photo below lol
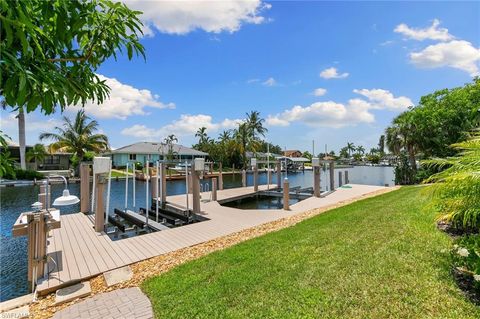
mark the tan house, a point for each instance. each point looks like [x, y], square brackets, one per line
[292, 153]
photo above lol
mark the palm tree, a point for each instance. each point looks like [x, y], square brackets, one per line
[381, 144]
[402, 136]
[224, 136]
[36, 153]
[77, 137]
[202, 135]
[255, 123]
[21, 133]
[361, 149]
[169, 141]
[244, 141]
[350, 148]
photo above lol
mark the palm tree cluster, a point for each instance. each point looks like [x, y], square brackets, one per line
[231, 146]
[350, 150]
[77, 137]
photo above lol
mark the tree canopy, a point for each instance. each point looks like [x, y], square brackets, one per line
[50, 50]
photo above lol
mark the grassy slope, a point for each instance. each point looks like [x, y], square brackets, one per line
[377, 258]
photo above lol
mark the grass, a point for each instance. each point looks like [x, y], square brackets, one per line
[378, 258]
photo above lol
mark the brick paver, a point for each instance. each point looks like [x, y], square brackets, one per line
[121, 303]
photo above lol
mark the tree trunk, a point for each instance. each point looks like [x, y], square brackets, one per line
[411, 158]
[21, 137]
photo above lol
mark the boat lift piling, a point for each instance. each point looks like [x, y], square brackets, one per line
[279, 174]
[255, 174]
[220, 176]
[286, 194]
[316, 176]
[214, 189]
[84, 187]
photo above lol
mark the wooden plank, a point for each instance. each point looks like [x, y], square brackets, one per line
[92, 251]
[70, 268]
[105, 261]
[85, 269]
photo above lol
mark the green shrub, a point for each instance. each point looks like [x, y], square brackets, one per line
[456, 189]
[465, 255]
[25, 175]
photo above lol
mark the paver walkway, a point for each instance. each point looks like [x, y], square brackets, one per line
[122, 303]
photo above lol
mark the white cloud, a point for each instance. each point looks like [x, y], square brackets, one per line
[319, 92]
[457, 54]
[334, 114]
[388, 42]
[250, 81]
[181, 17]
[433, 32]
[125, 100]
[270, 82]
[383, 99]
[186, 125]
[332, 73]
[34, 125]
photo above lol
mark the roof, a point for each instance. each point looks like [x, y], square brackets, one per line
[261, 155]
[291, 152]
[156, 148]
[294, 159]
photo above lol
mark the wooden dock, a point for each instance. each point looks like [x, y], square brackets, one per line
[80, 253]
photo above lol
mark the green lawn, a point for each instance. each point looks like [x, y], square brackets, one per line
[378, 258]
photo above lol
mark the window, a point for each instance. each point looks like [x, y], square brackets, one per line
[132, 157]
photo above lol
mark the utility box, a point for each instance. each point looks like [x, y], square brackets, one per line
[101, 165]
[315, 162]
[199, 164]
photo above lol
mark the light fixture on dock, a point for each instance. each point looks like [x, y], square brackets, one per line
[66, 199]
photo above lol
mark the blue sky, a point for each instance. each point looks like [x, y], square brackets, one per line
[210, 63]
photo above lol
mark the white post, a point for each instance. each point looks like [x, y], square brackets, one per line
[93, 189]
[108, 194]
[134, 182]
[268, 165]
[186, 181]
[156, 193]
[126, 188]
[146, 193]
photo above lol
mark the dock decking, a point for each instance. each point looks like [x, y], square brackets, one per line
[80, 253]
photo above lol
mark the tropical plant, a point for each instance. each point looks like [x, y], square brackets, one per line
[381, 144]
[51, 51]
[245, 141]
[360, 149]
[350, 148]
[202, 135]
[402, 135]
[344, 152]
[170, 141]
[307, 154]
[37, 153]
[455, 190]
[7, 163]
[77, 137]
[255, 124]
[465, 255]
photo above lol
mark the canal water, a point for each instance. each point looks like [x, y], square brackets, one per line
[15, 200]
